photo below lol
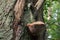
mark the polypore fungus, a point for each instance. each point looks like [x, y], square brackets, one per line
[36, 27]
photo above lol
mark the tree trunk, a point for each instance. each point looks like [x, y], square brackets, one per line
[6, 18]
[16, 14]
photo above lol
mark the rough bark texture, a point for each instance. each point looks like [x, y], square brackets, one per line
[18, 11]
[11, 12]
[6, 18]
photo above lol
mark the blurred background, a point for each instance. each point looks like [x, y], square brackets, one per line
[52, 19]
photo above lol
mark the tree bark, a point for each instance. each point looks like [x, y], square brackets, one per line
[6, 18]
[16, 14]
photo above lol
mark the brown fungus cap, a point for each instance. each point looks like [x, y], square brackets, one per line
[36, 23]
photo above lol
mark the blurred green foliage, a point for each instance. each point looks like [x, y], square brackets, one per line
[53, 25]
